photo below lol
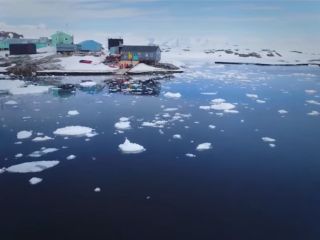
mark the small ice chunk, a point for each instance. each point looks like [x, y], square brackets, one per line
[260, 101]
[268, 139]
[35, 180]
[313, 102]
[42, 139]
[172, 95]
[71, 157]
[177, 136]
[73, 113]
[218, 101]
[18, 155]
[250, 95]
[310, 91]
[314, 113]
[42, 152]
[24, 134]
[122, 125]
[29, 167]
[170, 109]
[205, 108]
[204, 146]
[231, 111]
[272, 145]
[212, 126]
[11, 102]
[190, 155]
[282, 111]
[97, 189]
[74, 131]
[124, 119]
[223, 106]
[129, 147]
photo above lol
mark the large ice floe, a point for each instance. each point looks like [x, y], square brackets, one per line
[75, 131]
[204, 146]
[18, 87]
[11, 102]
[172, 95]
[32, 167]
[24, 134]
[129, 147]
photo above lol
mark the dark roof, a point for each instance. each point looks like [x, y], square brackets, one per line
[128, 48]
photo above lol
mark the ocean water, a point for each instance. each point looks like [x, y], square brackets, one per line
[241, 188]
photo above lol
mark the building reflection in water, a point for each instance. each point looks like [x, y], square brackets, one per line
[149, 87]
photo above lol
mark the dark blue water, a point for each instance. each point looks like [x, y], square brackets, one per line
[240, 189]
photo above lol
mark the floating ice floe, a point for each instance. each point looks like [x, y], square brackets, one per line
[272, 145]
[212, 126]
[75, 131]
[129, 147]
[122, 125]
[35, 180]
[208, 93]
[170, 109]
[32, 167]
[43, 151]
[313, 102]
[97, 189]
[310, 91]
[223, 106]
[314, 113]
[205, 108]
[42, 139]
[177, 136]
[260, 101]
[268, 139]
[282, 111]
[73, 113]
[250, 95]
[11, 102]
[155, 124]
[218, 100]
[18, 155]
[71, 157]
[190, 155]
[204, 146]
[24, 134]
[172, 95]
[124, 119]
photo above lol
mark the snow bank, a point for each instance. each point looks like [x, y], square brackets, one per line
[74, 131]
[32, 167]
[88, 84]
[128, 147]
[35, 180]
[24, 134]
[204, 146]
[172, 95]
[144, 68]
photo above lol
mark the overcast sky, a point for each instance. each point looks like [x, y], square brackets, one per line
[283, 22]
